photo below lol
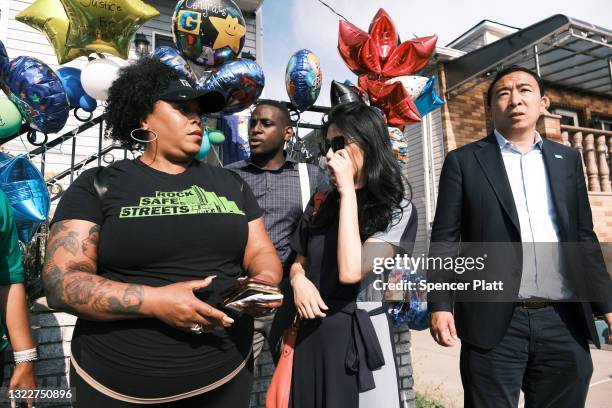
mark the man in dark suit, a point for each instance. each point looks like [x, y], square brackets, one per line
[516, 188]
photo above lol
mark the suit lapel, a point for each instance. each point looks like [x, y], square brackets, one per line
[556, 169]
[490, 160]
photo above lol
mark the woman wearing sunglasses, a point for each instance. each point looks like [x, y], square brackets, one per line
[344, 354]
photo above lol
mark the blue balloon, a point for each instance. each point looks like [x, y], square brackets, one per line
[428, 100]
[36, 90]
[303, 79]
[4, 61]
[27, 192]
[204, 147]
[241, 82]
[175, 60]
[87, 103]
[78, 98]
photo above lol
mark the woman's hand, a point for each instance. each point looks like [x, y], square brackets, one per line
[342, 171]
[24, 378]
[177, 306]
[308, 301]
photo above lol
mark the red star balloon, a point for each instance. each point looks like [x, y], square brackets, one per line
[383, 34]
[350, 40]
[410, 56]
[376, 57]
[393, 99]
[378, 53]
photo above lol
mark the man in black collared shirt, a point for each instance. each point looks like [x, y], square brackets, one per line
[282, 194]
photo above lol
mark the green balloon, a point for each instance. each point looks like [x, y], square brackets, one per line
[10, 118]
[216, 137]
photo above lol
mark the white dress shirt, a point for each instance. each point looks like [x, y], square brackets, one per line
[542, 275]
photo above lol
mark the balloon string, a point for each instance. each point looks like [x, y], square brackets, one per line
[333, 11]
[216, 155]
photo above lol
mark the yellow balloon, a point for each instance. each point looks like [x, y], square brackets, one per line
[106, 25]
[49, 17]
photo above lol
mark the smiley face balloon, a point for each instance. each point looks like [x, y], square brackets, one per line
[208, 32]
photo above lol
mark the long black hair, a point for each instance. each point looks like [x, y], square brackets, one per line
[384, 190]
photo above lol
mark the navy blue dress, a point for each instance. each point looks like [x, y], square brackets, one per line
[347, 359]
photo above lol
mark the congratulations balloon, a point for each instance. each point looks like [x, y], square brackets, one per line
[98, 75]
[49, 17]
[303, 79]
[171, 57]
[240, 81]
[27, 193]
[106, 25]
[37, 92]
[208, 32]
[71, 79]
[10, 118]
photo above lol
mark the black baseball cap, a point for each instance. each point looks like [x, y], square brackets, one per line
[181, 90]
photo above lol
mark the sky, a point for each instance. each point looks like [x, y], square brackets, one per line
[290, 25]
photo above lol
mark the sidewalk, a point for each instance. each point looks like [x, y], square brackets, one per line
[436, 373]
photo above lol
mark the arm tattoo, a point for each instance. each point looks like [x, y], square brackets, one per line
[70, 276]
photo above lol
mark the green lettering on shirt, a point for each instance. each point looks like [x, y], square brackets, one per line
[194, 200]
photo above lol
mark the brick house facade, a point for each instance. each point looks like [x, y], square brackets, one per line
[465, 118]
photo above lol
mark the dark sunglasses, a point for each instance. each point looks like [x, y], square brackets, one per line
[337, 143]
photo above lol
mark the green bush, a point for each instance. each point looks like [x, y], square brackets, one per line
[423, 402]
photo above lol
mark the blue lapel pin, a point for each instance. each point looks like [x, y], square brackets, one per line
[558, 156]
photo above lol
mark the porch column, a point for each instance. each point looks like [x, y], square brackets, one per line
[549, 126]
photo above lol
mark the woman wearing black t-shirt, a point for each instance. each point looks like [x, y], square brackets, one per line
[344, 355]
[141, 251]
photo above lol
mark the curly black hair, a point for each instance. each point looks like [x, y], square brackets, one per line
[132, 95]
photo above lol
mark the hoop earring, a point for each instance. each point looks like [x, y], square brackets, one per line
[141, 140]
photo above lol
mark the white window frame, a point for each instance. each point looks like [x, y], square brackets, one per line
[567, 113]
[154, 34]
[603, 122]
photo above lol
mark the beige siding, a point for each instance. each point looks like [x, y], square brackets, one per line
[415, 172]
[475, 44]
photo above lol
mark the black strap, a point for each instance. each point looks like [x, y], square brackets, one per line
[101, 182]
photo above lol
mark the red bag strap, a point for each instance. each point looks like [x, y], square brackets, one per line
[319, 199]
